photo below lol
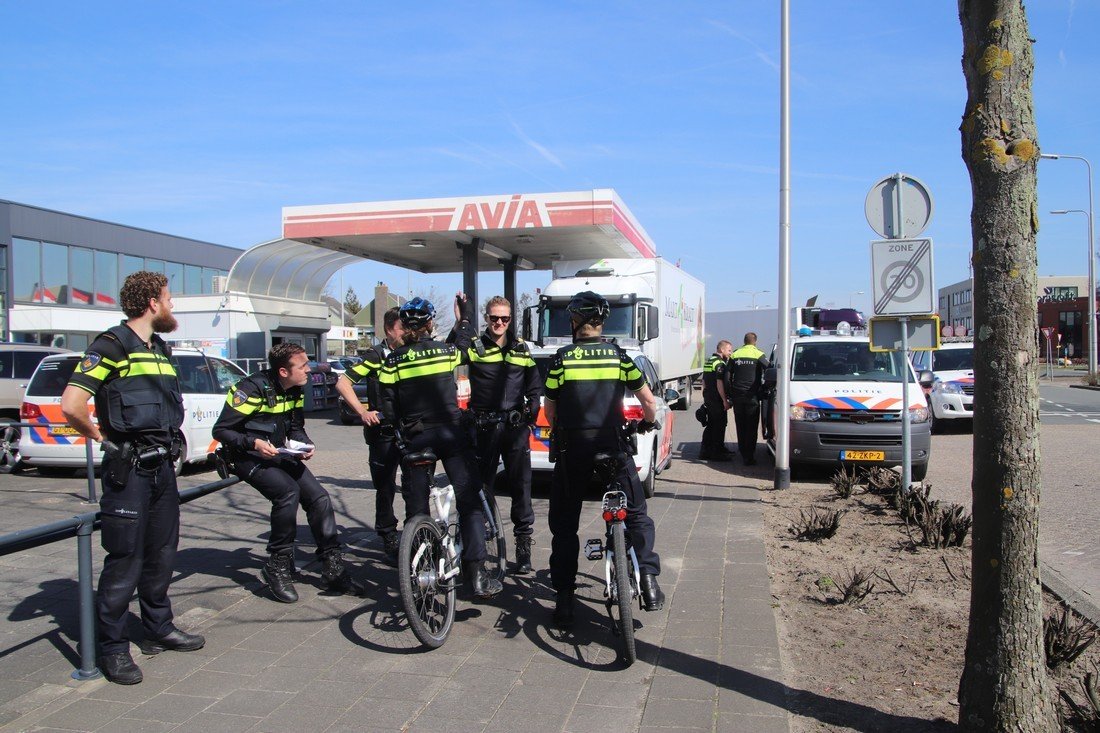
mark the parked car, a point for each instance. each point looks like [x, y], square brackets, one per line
[348, 416]
[952, 394]
[204, 381]
[654, 452]
[17, 364]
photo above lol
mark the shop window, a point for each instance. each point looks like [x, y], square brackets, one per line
[192, 280]
[130, 265]
[55, 273]
[106, 279]
[154, 265]
[27, 270]
[81, 276]
[174, 272]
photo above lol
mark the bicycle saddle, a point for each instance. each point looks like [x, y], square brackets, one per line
[424, 457]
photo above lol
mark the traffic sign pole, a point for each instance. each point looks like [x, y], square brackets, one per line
[906, 428]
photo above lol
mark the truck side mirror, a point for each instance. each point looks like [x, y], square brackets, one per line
[672, 396]
[652, 322]
[771, 376]
[527, 321]
[926, 379]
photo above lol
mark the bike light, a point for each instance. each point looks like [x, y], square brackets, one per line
[620, 514]
[29, 411]
[633, 412]
[607, 516]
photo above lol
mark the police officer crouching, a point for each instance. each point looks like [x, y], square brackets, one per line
[419, 396]
[262, 428]
[139, 405]
[584, 393]
[504, 403]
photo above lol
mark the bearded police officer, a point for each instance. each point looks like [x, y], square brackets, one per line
[584, 393]
[716, 403]
[745, 374]
[262, 426]
[139, 405]
[379, 435]
[504, 403]
[419, 396]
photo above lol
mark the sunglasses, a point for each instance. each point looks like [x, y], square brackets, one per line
[502, 319]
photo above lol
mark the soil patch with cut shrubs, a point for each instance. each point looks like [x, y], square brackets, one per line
[872, 623]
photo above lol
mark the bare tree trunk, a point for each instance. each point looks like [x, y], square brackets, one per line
[1004, 684]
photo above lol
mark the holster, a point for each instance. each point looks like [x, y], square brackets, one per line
[120, 461]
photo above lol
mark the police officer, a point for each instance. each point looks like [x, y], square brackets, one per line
[262, 413]
[745, 373]
[584, 405]
[504, 403]
[139, 405]
[381, 441]
[716, 403]
[419, 397]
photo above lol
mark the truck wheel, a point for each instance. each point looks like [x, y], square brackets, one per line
[684, 403]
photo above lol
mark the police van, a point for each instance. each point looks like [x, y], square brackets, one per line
[654, 452]
[846, 403]
[204, 381]
[952, 393]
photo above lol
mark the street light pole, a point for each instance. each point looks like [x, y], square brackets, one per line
[1092, 267]
[782, 478]
[754, 293]
[851, 297]
[1088, 334]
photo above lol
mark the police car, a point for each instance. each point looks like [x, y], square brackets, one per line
[654, 453]
[204, 381]
[952, 393]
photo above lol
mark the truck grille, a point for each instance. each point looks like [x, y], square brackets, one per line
[851, 440]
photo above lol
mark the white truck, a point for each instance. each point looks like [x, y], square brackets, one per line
[656, 308]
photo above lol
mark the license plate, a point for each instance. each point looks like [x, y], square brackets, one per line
[543, 433]
[862, 455]
[62, 430]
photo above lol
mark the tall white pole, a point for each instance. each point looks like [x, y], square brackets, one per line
[783, 373]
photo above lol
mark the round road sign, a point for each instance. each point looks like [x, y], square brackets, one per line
[882, 204]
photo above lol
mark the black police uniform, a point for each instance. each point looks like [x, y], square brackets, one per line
[504, 402]
[385, 456]
[258, 407]
[714, 434]
[419, 396]
[139, 406]
[745, 377]
[587, 381]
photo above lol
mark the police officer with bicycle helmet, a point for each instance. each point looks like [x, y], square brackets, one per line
[419, 397]
[584, 393]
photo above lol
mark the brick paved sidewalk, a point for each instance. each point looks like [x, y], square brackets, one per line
[708, 661]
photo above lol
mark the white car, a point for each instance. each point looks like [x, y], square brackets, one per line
[952, 394]
[204, 380]
[654, 448]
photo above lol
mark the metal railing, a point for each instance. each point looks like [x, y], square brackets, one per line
[82, 526]
[89, 450]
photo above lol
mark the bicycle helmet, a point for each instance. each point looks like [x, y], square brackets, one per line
[416, 313]
[589, 307]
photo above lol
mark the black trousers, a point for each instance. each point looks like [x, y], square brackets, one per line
[140, 532]
[451, 446]
[512, 444]
[384, 460]
[287, 483]
[746, 418]
[714, 434]
[573, 474]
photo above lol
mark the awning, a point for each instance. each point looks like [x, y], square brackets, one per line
[285, 268]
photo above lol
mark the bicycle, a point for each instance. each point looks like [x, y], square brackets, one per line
[622, 577]
[429, 558]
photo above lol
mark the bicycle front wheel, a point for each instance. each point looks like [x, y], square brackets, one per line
[624, 603]
[496, 544]
[428, 599]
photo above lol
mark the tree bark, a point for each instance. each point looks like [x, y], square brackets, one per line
[1004, 685]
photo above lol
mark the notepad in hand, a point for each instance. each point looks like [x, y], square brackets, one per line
[296, 448]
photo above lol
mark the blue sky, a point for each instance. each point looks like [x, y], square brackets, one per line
[204, 119]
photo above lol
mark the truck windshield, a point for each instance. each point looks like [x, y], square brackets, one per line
[835, 361]
[555, 322]
[949, 360]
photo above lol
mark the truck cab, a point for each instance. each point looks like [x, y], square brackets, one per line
[846, 404]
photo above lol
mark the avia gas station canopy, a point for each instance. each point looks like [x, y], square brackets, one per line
[467, 235]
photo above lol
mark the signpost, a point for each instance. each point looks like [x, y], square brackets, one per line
[899, 208]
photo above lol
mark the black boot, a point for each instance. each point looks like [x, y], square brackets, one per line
[653, 598]
[120, 668]
[482, 584]
[523, 553]
[176, 640]
[391, 543]
[335, 575]
[278, 574]
[563, 609]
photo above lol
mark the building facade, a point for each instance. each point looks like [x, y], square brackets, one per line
[956, 301]
[60, 273]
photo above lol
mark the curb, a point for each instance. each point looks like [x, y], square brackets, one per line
[1084, 386]
[1078, 600]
